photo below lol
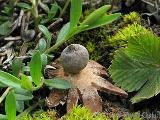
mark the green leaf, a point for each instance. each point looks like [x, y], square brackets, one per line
[145, 48]
[103, 20]
[57, 83]
[24, 5]
[47, 34]
[9, 80]
[3, 117]
[26, 83]
[44, 6]
[63, 33]
[16, 66]
[75, 12]
[10, 106]
[128, 73]
[42, 45]
[20, 106]
[96, 15]
[53, 11]
[36, 67]
[5, 28]
[44, 59]
[2, 85]
[22, 94]
[137, 67]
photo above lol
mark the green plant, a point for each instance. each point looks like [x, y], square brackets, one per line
[133, 116]
[25, 85]
[44, 115]
[136, 67]
[132, 17]
[82, 113]
[97, 18]
[120, 39]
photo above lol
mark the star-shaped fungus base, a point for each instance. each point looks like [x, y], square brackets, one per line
[84, 87]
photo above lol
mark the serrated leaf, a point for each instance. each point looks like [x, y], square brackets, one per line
[47, 34]
[75, 12]
[124, 70]
[145, 48]
[26, 83]
[137, 67]
[5, 28]
[36, 67]
[10, 106]
[9, 80]
[57, 83]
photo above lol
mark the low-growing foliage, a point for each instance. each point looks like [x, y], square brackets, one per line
[82, 113]
[120, 39]
[25, 85]
[132, 17]
[136, 67]
[96, 19]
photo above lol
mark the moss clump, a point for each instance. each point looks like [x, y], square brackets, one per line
[120, 39]
[133, 116]
[82, 113]
[132, 17]
[44, 115]
[39, 115]
[25, 117]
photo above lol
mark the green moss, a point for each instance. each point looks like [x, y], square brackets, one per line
[25, 117]
[94, 41]
[82, 113]
[39, 115]
[44, 115]
[79, 113]
[133, 116]
[120, 39]
[132, 17]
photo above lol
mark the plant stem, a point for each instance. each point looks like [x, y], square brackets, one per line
[64, 8]
[31, 108]
[4, 94]
[54, 47]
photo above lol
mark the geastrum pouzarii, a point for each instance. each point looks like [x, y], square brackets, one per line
[86, 77]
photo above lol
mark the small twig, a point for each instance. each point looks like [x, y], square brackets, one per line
[49, 27]
[2, 49]
[4, 94]
[55, 23]
[20, 17]
[64, 8]
[23, 49]
[13, 38]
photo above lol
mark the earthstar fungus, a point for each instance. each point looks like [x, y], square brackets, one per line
[85, 80]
